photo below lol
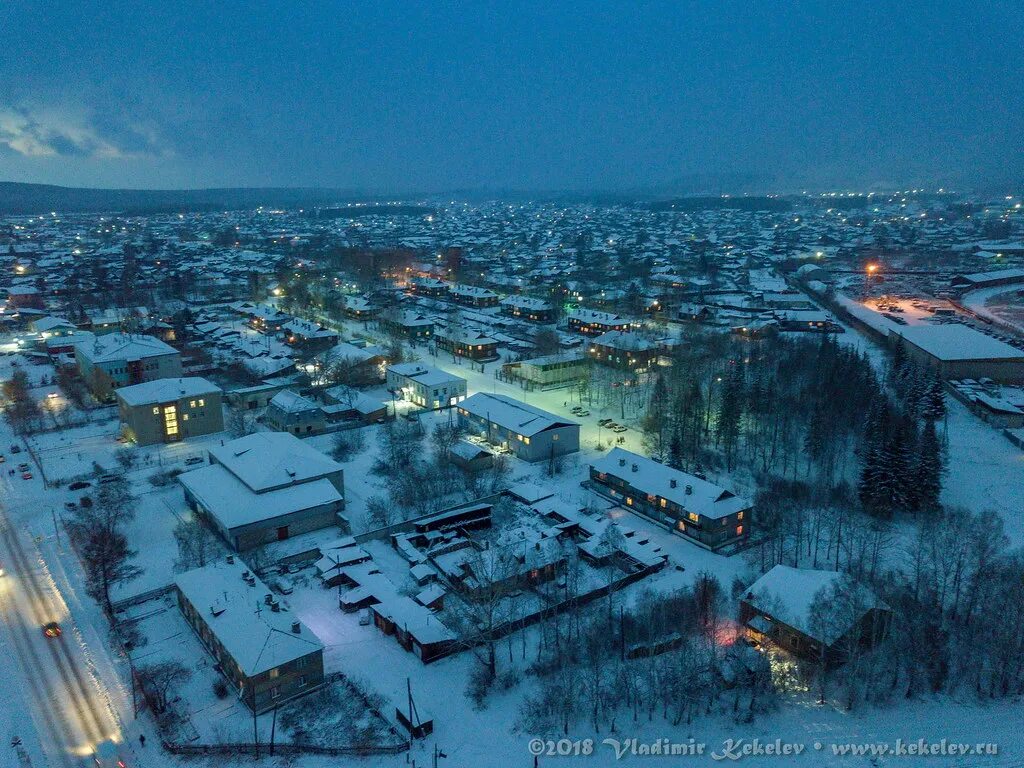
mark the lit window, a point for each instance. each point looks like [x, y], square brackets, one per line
[201, 402]
[694, 517]
[192, 404]
[274, 673]
[156, 410]
[739, 515]
[739, 530]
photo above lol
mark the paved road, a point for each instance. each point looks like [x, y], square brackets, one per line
[69, 709]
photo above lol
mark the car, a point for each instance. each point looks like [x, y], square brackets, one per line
[107, 755]
[52, 629]
[70, 505]
[26, 475]
[619, 428]
[604, 422]
[15, 449]
[108, 478]
[52, 396]
[2, 458]
[79, 485]
[191, 461]
[583, 413]
[24, 467]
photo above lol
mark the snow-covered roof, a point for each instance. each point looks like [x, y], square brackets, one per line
[513, 415]
[268, 460]
[235, 505]
[257, 637]
[292, 402]
[788, 595]
[123, 346]
[166, 390]
[426, 375]
[688, 491]
[955, 341]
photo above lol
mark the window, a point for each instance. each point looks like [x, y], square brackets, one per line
[694, 517]
[202, 402]
[739, 515]
[156, 410]
[302, 681]
[275, 692]
[192, 404]
[739, 530]
[274, 673]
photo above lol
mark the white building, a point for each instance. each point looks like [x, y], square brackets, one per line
[426, 386]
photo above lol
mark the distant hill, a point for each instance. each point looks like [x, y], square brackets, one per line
[689, 204]
[18, 199]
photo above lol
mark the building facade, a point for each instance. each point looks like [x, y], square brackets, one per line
[169, 410]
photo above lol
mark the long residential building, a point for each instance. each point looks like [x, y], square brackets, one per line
[530, 433]
[119, 360]
[703, 512]
[260, 646]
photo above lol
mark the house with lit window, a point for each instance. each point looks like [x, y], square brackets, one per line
[592, 322]
[473, 296]
[428, 286]
[703, 512]
[260, 646]
[528, 432]
[291, 412]
[424, 385]
[622, 349]
[308, 336]
[408, 324]
[528, 308]
[169, 410]
[117, 360]
[816, 615]
[467, 343]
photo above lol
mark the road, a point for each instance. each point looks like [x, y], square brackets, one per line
[68, 706]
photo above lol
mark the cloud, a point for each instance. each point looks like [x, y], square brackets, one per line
[49, 132]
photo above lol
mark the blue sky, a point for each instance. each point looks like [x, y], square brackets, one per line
[404, 97]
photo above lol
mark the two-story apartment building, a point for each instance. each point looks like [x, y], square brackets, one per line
[260, 646]
[169, 410]
[528, 308]
[703, 512]
[466, 343]
[530, 433]
[291, 412]
[592, 322]
[424, 385]
[118, 360]
[473, 296]
[622, 349]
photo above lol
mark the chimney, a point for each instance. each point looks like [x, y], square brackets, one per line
[689, 490]
[231, 559]
[275, 606]
[296, 628]
[673, 482]
[635, 467]
[268, 598]
[622, 462]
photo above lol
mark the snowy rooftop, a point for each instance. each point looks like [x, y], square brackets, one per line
[235, 505]
[511, 414]
[268, 460]
[257, 637]
[955, 341]
[426, 375]
[166, 390]
[689, 492]
[292, 402]
[123, 346]
[788, 595]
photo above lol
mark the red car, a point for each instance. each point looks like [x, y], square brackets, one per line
[26, 475]
[52, 629]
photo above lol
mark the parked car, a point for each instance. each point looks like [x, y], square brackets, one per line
[79, 485]
[70, 505]
[619, 428]
[583, 413]
[24, 467]
[26, 475]
[2, 458]
[604, 422]
[191, 461]
[108, 478]
[52, 629]
[15, 448]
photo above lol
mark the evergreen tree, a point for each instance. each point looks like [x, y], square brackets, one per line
[934, 401]
[929, 469]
